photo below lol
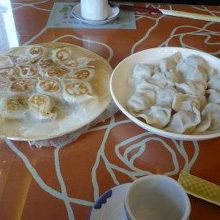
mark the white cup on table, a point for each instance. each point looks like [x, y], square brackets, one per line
[156, 197]
[94, 10]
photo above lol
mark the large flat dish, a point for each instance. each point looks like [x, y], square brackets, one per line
[120, 90]
[31, 130]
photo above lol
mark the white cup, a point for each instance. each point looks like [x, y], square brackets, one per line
[156, 197]
[94, 10]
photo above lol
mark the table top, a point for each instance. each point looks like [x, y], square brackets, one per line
[63, 183]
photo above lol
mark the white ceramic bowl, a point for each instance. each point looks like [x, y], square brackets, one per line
[120, 89]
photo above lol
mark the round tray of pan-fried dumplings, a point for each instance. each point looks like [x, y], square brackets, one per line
[51, 89]
[170, 91]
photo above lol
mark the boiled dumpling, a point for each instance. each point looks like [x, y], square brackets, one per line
[214, 81]
[204, 124]
[190, 87]
[191, 69]
[146, 86]
[186, 102]
[184, 121]
[156, 116]
[142, 72]
[140, 101]
[42, 106]
[173, 76]
[169, 63]
[14, 107]
[165, 96]
[214, 96]
[78, 92]
[160, 80]
[214, 111]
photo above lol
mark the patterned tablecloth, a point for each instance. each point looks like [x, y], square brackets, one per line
[51, 183]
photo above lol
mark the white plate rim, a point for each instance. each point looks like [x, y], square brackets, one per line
[150, 128]
[76, 14]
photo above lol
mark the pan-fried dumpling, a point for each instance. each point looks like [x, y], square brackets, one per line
[22, 86]
[214, 110]
[14, 107]
[61, 54]
[165, 96]
[58, 71]
[78, 92]
[44, 64]
[190, 87]
[140, 101]
[184, 121]
[9, 73]
[42, 106]
[81, 62]
[156, 116]
[36, 52]
[49, 86]
[83, 73]
[184, 102]
[169, 63]
[193, 69]
[214, 96]
[5, 61]
[19, 59]
[28, 71]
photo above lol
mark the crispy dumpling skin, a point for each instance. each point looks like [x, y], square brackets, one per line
[59, 72]
[78, 92]
[82, 74]
[48, 85]
[61, 54]
[14, 107]
[9, 73]
[28, 71]
[42, 106]
[21, 86]
[36, 52]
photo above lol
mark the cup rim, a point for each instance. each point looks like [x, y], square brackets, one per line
[158, 176]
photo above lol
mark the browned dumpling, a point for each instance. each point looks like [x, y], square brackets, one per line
[19, 59]
[22, 86]
[28, 71]
[61, 54]
[14, 107]
[42, 106]
[83, 73]
[78, 91]
[57, 72]
[36, 52]
[9, 73]
[48, 85]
